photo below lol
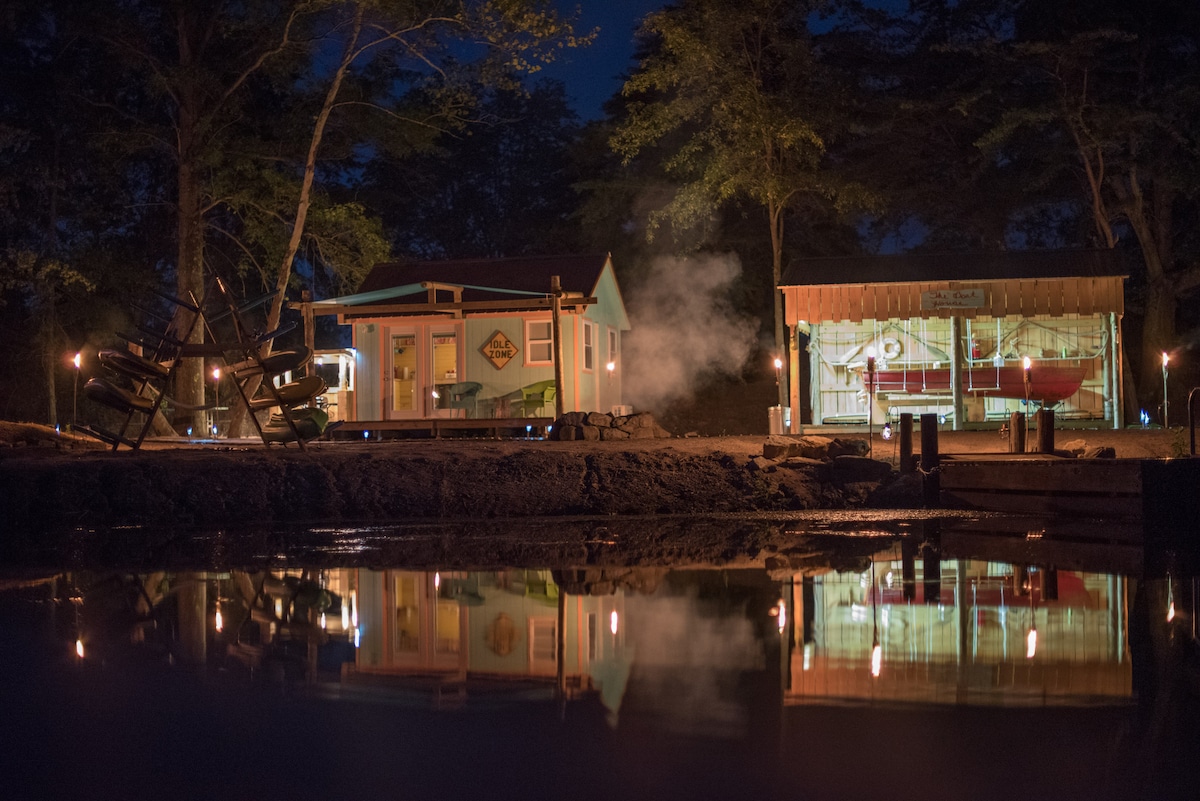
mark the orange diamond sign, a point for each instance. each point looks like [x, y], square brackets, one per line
[499, 350]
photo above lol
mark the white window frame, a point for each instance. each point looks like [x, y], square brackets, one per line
[589, 347]
[530, 342]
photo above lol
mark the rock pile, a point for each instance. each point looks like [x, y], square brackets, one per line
[599, 426]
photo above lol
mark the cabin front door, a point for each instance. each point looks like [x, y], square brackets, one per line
[422, 358]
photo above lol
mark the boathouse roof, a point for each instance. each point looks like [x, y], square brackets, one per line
[927, 267]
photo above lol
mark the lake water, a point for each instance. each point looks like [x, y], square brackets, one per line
[848, 657]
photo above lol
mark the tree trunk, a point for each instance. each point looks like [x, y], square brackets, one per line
[775, 215]
[239, 418]
[189, 266]
[189, 376]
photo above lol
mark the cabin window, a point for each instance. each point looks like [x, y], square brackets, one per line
[612, 346]
[589, 346]
[539, 343]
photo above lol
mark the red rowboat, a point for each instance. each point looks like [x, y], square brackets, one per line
[1048, 384]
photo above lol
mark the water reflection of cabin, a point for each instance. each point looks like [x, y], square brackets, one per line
[472, 339]
[930, 318]
[506, 624]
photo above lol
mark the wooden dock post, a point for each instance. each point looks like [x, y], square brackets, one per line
[932, 590]
[1045, 432]
[931, 482]
[1016, 432]
[908, 568]
[907, 465]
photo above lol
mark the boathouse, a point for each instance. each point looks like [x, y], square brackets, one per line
[875, 336]
[475, 340]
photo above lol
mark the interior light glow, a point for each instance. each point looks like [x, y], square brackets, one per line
[79, 648]
[808, 651]
[612, 622]
[779, 364]
[79, 357]
[1171, 612]
[1027, 362]
[437, 581]
[357, 636]
[354, 608]
[782, 614]
[278, 607]
[876, 660]
[1031, 643]
[218, 620]
[322, 621]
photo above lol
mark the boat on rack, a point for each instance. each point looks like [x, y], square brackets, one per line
[1047, 383]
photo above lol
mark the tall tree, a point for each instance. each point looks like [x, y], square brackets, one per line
[733, 92]
[198, 68]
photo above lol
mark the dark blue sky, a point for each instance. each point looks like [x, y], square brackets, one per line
[592, 75]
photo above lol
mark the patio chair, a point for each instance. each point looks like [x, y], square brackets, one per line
[459, 396]
[535, 396]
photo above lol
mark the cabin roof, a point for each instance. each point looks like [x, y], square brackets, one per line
[493, 279]
[930, 267]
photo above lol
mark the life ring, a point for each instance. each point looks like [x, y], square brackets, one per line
[890, 348]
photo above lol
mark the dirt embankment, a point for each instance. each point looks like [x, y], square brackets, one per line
[49, 488]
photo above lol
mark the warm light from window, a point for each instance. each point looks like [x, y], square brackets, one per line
[1031, 643]
[612, 622]
[79, 648]
[219, 621]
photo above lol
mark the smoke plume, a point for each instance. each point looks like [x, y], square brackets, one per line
[683, 328]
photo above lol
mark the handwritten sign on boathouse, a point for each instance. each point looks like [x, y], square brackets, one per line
[499, 350]
[953, 299]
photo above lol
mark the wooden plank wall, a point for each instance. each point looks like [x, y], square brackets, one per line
[1017, 297]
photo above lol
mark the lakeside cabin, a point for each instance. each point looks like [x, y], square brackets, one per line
[452, 344]
[875, 336]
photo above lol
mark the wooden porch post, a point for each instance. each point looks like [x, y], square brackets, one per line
[794, 380]
[956, 374]
[556, 333]
[306, 311]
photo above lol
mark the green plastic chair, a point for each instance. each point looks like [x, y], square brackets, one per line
[535, 396]
[459, 396]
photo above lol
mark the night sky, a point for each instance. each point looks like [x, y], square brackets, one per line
[594, 74]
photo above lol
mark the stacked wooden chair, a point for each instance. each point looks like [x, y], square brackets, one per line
[229, 337]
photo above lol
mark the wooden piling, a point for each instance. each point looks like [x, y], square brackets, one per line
[1016, 432]
[907, 465]
[1045, 431]
[931, 480]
